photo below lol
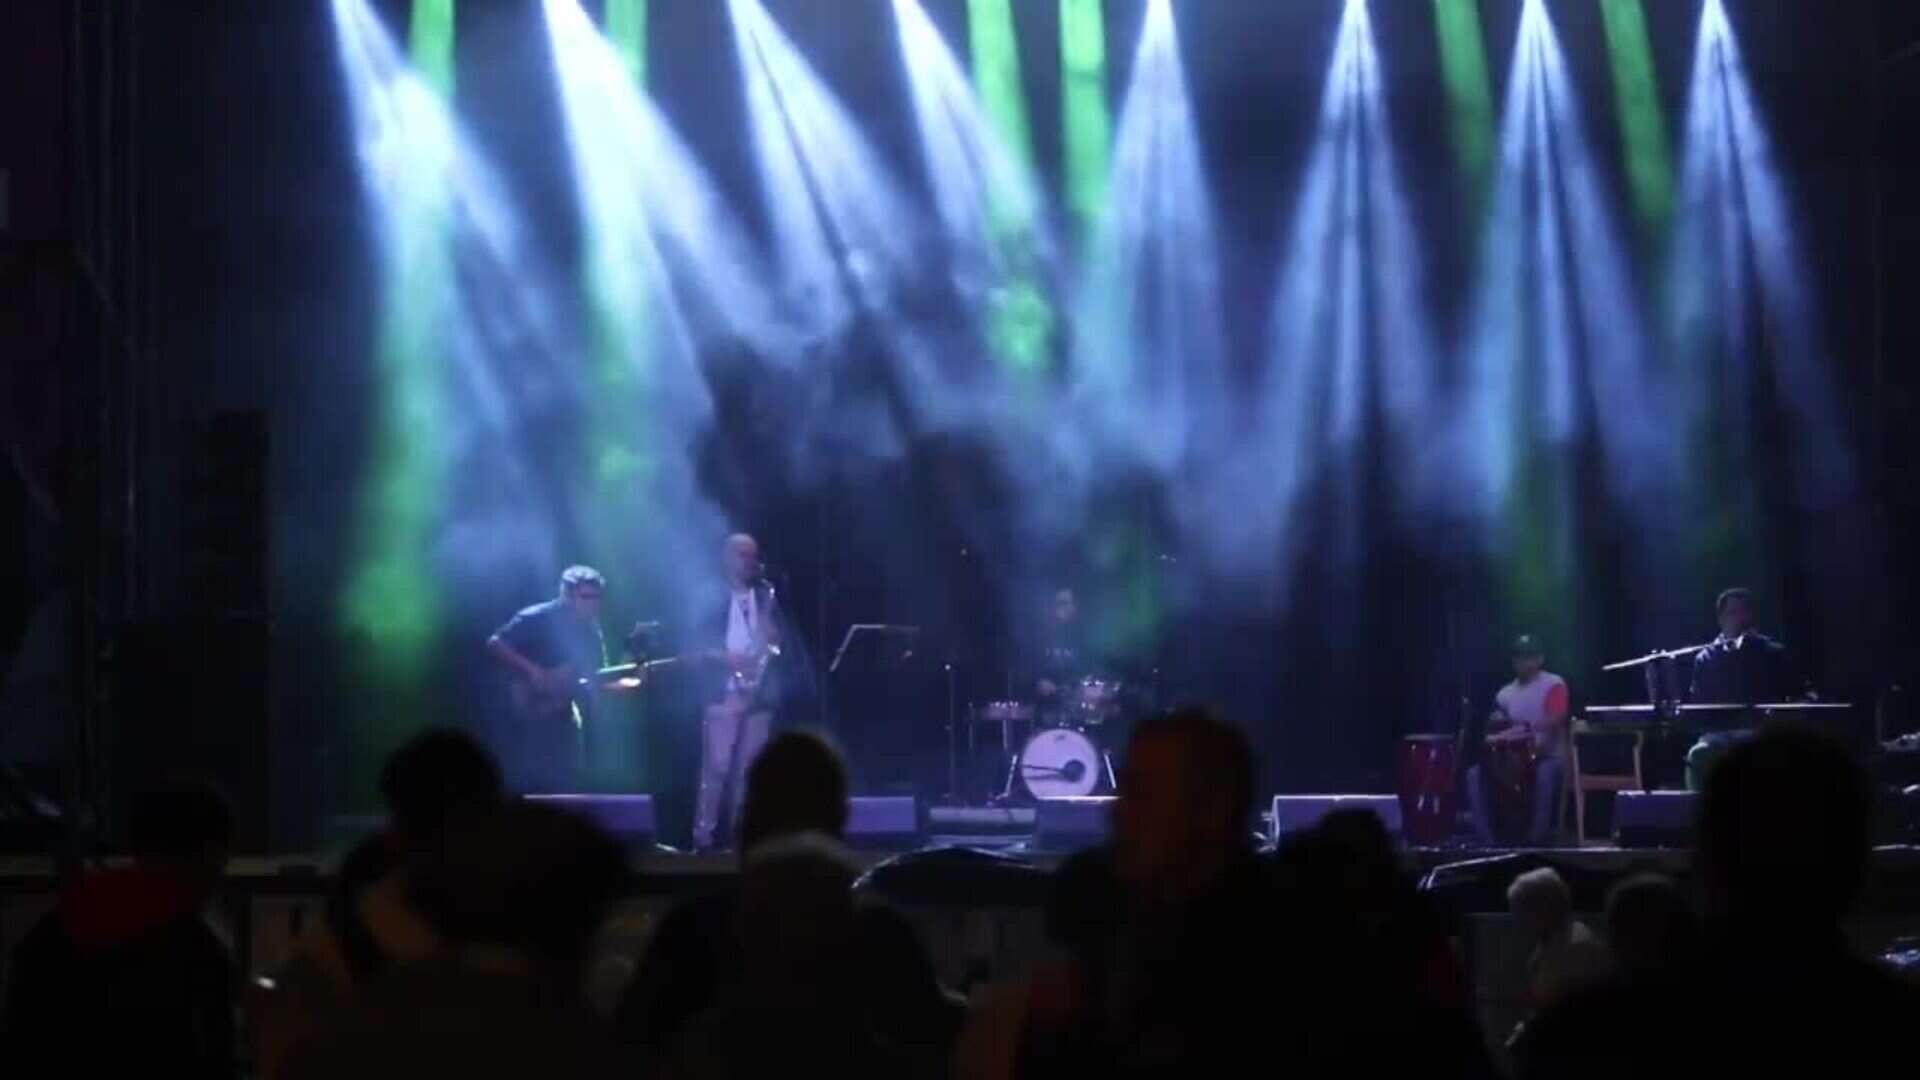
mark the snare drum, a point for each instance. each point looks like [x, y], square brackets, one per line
[1059, 762]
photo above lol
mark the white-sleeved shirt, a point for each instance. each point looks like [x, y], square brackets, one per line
[743, 622]
[1533, 703]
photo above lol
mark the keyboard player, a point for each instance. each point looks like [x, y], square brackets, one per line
[1741, 667]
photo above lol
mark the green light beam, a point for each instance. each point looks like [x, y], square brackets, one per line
[1463, 63]
[1643, 127]
[391, 607]
[1019, 321]
[996, 73]
[616, 467]
[1086, 119]
[430, 43]
[627, 29]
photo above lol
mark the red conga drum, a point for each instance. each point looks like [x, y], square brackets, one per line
[1510, 783]
[1429, 799]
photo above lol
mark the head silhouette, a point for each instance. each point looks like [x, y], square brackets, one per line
[1650, 926]
[184, 825]
[436, 776]
[1541, 902]
[1784, 832]
[797, 784]
[523, 877]
[1185, 799]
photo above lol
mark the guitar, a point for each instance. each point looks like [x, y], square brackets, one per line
[532, 700]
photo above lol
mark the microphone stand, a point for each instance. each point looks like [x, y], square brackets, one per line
[1657, 668]
[953, 743]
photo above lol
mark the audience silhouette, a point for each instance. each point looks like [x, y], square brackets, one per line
[1773, 987]
[126, 974]
[516, 896]
[434, 781]
[718, 959]
[457, 943]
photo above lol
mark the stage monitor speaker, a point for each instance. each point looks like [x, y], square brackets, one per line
[1072, 822]
[1654, 819]
[629, 818]
[1298, 813]
[887, 821]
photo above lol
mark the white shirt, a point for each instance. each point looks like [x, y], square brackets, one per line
[742, 622]
[1532, 704]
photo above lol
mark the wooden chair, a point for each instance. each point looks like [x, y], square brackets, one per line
[1580, 782]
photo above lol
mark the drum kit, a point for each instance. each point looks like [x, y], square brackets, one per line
[1061, 745]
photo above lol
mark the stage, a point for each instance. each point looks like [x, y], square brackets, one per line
[510, 288]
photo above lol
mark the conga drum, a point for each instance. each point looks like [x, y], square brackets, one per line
[1510, 782]
[1429, 797]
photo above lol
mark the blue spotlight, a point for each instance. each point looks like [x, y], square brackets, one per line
[1737, 252]
[1149, 352]
[980, 184]
[843, 229]
[1349, 289]
[439, 205]
[1556, 298]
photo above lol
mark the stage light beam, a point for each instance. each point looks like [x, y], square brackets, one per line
[466, 304]
[1347, 330]
[666, 268]
[447, 505]
[842, 227]
[1086, 120]
[1149, 353]
[1020, 323]
[1744, 317]
[627, 29]
[1643, 126]
[406, 147]
[1556, 344]
[978, 168]
[1463, 64]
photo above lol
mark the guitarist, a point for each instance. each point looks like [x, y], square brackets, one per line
[739, 712]
[547, 649]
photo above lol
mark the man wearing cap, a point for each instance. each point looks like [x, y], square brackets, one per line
[1533, 707]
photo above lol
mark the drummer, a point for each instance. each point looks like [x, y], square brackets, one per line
[1532, 707]
[1062, 659]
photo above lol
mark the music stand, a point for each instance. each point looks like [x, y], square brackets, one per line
[877, 648]
[888, 649]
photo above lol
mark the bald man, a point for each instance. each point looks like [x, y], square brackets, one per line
[739, 716]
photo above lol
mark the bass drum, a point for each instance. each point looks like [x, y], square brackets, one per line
[1059, 762]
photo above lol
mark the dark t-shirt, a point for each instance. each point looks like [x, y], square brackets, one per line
[1062, 657]
[1743, 671]
[549, 635]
